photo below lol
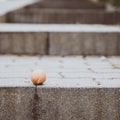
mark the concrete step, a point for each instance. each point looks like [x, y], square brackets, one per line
[13, 5]
[61, 16]
[76, 88]
[59, 39]
[69, 4]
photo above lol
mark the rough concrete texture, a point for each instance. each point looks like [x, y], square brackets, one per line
[76, 88]
[23, 43]
[59, 103]
[52, 16]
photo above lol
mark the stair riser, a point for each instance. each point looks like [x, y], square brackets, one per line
[23, 43]
[84, 44]
[59, 103]
[69, 4]
[64, 16]
[59, 43]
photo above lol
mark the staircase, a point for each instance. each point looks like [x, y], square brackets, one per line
[60, 12]
[81, 61]
[76, 88]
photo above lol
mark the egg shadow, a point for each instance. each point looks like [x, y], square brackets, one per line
[43, 107]
[35, 111]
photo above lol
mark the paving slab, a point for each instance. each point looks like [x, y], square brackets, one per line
[66, 71]
[71, 90]
[95, 28]
[13, 65]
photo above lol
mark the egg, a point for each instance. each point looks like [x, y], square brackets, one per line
[38, 77]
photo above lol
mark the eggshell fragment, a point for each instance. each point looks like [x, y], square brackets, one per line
[38, 77]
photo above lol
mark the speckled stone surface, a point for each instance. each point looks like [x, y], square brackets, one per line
[59, 103]
[76, 88]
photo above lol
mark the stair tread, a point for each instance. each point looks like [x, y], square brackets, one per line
[62, 72]
[58, 28]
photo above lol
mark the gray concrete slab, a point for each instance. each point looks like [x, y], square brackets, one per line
[23, 43]
[69, 4]
[61, 96]
[64, 16]
[98, 43]
[73, 39]
[61, 103]
[18, 43]
[5, 43]
[73, 72]
[59, 28]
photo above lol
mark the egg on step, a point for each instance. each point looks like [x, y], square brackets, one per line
[38, 77]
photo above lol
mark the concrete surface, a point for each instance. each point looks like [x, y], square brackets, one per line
[76, 88]
[84, 43]
[60, 39]
[59, 28]
[23, 43]
[69, 4]
[62, 16]
[63, 71]
[12, 9]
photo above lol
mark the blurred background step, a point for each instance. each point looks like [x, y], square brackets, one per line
[61, 12]
[69, 4]
[59, 39]
[64, 16]
[76, 88]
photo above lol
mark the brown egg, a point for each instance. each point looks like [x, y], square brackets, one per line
[38, 77]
